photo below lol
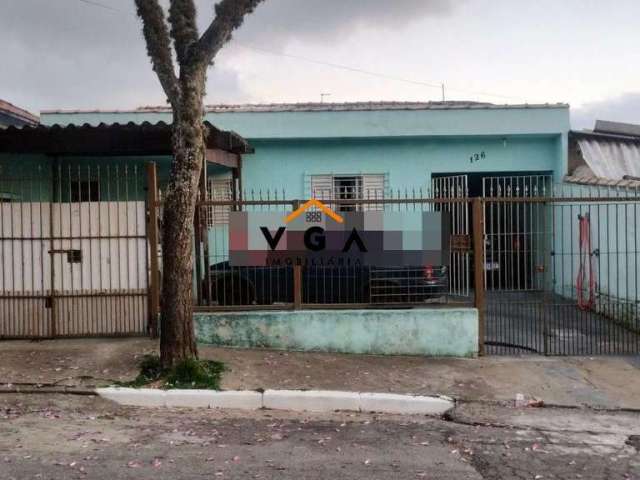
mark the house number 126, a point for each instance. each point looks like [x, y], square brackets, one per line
[476, 157]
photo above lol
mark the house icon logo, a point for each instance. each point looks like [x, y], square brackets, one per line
[313, 203]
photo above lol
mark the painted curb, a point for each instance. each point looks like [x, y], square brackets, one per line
[290, 400]
[149, 397]
[311, 400]
[404, 404]
[240, 400]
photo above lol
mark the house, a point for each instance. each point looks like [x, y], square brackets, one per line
[373, 148]
[82, 175]
[10, 115]
[372, 151]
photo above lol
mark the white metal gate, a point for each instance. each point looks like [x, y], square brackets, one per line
[73, 269]
[455, 186]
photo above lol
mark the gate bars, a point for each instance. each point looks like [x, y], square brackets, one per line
[534, 302]
[75, 259]
[73, 250]
[224, 287]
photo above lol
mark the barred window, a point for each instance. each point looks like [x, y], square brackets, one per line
[85, 190]
[218, 189]
[350, 187]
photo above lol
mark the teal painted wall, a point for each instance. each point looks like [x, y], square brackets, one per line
[429, 332]
[407, 144]
[407, 163]
[30, 177]
[24, 178]
[615, 233]
[357, 124]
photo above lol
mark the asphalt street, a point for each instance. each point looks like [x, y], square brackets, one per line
[73, 437]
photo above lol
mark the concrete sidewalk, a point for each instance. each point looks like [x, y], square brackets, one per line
[601, 382]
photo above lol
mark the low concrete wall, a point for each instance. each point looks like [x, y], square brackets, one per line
[420, 331]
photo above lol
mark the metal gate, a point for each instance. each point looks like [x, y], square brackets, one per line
[456, 187]
[516, 233]
[73, 253]
[561, 268]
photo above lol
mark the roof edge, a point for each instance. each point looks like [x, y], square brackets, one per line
[20, 113]
[590, 134]
[322, 107]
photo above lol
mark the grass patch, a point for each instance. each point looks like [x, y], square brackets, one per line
[191, 373]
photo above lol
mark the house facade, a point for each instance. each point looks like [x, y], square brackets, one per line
[373, 148]
[569, 252]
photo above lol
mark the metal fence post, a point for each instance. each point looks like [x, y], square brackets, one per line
[297, 273]
[152, 235]
[478, 269]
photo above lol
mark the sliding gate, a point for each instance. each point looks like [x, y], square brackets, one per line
[561, 268]
[73, 253]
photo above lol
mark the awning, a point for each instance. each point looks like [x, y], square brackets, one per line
[115, 139]
[611, 159]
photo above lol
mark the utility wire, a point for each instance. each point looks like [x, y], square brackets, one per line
[337, 65]
[370, 73]
[100, 5]
[347, 68]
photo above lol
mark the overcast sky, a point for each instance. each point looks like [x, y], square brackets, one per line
[90, 54]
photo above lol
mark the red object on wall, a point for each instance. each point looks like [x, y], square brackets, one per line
[586, 267]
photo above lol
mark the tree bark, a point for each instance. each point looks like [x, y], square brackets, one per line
[185, 94]
[177, 338]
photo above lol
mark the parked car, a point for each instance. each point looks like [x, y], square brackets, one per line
[228, 285]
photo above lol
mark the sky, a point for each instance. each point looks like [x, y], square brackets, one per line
[85, 54]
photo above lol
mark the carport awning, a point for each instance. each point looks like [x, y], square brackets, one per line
[611, 159]
[110, 140]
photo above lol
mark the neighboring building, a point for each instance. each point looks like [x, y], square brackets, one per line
[10, 115]
[74, 225]
[607, 155]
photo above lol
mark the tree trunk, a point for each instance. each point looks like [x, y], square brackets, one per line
[177, 338]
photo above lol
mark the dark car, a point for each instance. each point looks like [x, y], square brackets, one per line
[228, 285]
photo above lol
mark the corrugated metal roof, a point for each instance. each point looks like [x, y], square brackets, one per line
[610, 158]
[617, 128]
[113, 137]
[331, 107]
[588, 179]
[17, 112]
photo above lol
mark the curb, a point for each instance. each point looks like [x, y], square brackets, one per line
[290, 400]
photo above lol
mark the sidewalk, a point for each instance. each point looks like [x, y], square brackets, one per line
[601, 382]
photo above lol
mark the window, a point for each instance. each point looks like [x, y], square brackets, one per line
[347, 188]
[6, 197]
[219, 189]
[85, 191]
[350, 187]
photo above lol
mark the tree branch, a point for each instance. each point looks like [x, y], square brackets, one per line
[184, 30]
[229, 16]
[158, 43]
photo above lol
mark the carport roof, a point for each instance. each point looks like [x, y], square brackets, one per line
[109, 139]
